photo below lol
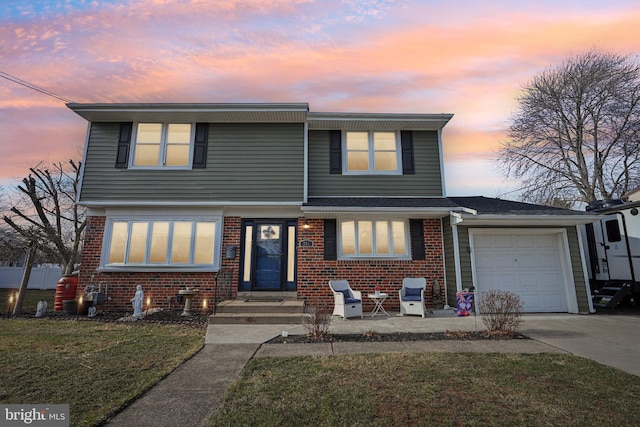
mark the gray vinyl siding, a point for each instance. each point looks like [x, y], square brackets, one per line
[574, 252]
[245, 162]
[578, 271]
[426, 182]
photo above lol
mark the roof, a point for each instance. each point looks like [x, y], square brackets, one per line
[257, 113]
[486, 205]
[330, 207]
[478, 210]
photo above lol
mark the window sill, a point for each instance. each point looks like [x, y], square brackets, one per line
[374, 258]
[156, 269]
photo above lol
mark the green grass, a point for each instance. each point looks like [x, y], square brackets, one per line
[96, 368]
[430, 389]
[30, 302]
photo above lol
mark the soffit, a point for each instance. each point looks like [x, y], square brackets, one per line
[380, 122]
[193, 113]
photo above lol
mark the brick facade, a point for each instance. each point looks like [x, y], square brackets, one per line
[313, 272]
[160, 288]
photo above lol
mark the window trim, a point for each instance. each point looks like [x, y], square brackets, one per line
[371, 153]
[374, 255]
[161, 267]
[163, 146]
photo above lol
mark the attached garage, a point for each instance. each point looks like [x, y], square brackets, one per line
[534, 264]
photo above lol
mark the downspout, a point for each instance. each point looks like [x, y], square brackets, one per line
[456, 218]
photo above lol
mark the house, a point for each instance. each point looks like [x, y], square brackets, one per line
[242, 199]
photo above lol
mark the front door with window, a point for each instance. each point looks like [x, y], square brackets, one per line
[268, 256]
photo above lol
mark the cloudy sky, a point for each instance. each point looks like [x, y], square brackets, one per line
[465, 57]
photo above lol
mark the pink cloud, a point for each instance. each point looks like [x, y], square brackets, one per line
[352, 56]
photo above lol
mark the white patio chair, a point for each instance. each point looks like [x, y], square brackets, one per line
[347, 302]
[412, 296]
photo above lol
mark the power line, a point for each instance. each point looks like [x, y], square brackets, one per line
[31, 86]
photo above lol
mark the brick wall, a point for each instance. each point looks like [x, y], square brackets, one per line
[160, 288]
[314, 272]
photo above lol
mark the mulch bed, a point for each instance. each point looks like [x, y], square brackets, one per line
[399, 336]
[159, 317]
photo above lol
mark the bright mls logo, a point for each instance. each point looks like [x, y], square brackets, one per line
[36, 415]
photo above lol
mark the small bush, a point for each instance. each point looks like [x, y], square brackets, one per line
[501, 310]
[317, 320]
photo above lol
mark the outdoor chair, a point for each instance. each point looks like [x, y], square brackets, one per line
[347, 302]
[412, 296]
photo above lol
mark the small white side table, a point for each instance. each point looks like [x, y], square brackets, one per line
[378, 299]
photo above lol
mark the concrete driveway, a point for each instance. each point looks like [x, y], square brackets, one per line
[612, 340]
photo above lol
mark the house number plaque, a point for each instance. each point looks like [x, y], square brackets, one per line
[306, 243]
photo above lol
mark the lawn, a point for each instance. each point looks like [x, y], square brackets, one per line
[430, 389]
[30, 302]
[95, 367]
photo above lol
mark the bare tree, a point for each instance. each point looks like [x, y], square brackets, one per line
[576, 134]
[46, 213]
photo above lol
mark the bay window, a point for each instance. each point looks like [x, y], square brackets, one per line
[191, 243]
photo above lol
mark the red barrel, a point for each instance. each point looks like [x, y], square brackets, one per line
[65, 290]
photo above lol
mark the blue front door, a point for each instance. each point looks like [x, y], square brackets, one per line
[268, 255]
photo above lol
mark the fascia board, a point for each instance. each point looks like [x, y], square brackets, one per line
[528, 220]
[107, 204]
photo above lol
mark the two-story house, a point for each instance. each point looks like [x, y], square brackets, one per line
[247, 198]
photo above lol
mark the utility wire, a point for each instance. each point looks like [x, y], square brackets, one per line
[31, 86]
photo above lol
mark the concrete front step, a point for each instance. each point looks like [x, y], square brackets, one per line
[256, 318]
[267, 295]
[254, 306]
[260, 309]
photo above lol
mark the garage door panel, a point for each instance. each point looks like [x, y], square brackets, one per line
[528, 265]
[524, 241]
[549, 241]
[503, 241]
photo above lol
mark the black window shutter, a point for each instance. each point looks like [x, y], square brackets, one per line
[335, 152]
[408, 163]
[200, 146]
[416, 230]
[124, 142]
[330, 240]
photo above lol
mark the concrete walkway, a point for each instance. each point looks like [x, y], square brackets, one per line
[192, 392]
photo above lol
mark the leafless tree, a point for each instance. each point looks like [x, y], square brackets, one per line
[46, 213]
[576, 134]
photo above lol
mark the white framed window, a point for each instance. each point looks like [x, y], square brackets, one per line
[369, 152]
[163, 145]
[188, 243]
[373, 239]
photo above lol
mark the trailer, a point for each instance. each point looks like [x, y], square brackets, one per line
[613, 251]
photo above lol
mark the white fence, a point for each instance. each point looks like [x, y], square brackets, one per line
[40, 278]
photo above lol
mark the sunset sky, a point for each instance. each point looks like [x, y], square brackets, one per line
[469, 58]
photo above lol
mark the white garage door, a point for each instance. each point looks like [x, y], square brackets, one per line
[529, 265]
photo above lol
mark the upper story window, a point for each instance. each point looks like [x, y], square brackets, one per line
[163, 145]
[372, 153]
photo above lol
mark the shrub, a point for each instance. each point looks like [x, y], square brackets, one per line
[317, 320]
[501, 310]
